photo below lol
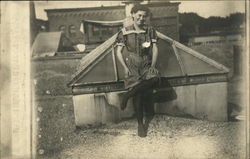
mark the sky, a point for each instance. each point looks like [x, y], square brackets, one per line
[212, 8]
[202, 8]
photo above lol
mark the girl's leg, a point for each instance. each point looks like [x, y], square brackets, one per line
[148, 107]
[139, 88]
[139, 114]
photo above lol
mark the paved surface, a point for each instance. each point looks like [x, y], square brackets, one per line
[168, 137]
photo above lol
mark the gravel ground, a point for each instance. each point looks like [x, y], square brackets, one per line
[168, 137]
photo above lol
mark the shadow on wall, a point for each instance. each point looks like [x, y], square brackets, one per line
[164, 92]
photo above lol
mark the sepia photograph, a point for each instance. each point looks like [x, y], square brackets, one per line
[132, 79]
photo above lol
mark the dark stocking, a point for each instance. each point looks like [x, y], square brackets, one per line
[148, 107]
[141, 87]
[139, 115]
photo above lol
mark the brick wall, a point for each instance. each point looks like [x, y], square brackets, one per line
[165, 18]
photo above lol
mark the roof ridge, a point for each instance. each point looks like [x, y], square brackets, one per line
[194, 53]
[90, 57]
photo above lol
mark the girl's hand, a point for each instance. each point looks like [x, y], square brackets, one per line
[153, 70]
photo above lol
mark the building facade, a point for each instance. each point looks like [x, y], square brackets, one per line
[69, 21]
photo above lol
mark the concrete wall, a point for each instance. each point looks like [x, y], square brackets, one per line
[93, 109]
[100, 108]
[204, 101]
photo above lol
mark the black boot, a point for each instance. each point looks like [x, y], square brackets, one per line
[141, 87]
[141, 131]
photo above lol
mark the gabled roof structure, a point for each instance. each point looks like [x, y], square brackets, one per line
[48, 43]
[175, 60]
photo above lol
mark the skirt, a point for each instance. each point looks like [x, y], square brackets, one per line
[140, 69]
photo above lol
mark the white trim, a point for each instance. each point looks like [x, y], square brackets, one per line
[132, 31]
[179, 59]
[114, 63]
[115, 22]
[120, 44]
[153, 40]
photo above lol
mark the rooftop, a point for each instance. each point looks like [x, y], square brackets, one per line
[218, 33]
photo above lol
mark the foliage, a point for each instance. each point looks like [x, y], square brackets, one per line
[192, 23]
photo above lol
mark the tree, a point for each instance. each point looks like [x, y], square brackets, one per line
[193, 24]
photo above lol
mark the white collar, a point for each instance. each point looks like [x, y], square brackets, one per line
[125, 32]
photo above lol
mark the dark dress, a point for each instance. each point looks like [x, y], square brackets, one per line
[138, 54]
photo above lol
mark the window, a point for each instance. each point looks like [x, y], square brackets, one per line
[62, 28]
[104, 31]
[110, 31]
[100, 33]
[96, 31]
[72, 30]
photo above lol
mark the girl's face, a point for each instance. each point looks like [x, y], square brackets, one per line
[139, 17]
